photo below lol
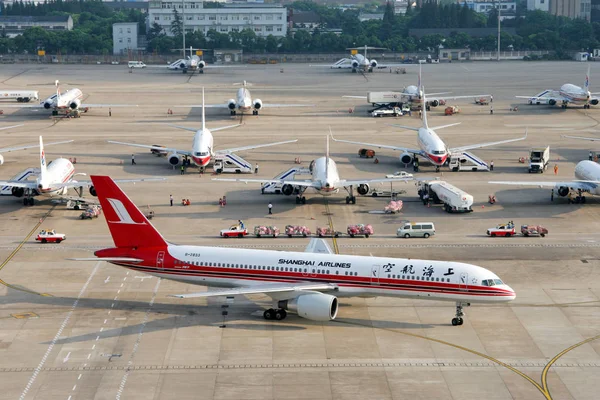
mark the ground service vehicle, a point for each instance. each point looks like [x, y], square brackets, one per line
[234, 231]
[366, 153]
[507, 230]
[50, 236]
[539, 159]
[391, 98]
[416, 229]
[533, 230]
[326, 231]
[297, 230]
[393, 207]
[360, 230]
[453, 199]
[21, 96]
[261, 230]
[387, 112]
[400, 175]
[136, 64]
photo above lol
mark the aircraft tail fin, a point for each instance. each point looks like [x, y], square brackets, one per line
[419, 81]
[57, 84]
[327, 155]
[128, 226]
[424, 109]
[43, 164]
[203, 115]
[586, 84]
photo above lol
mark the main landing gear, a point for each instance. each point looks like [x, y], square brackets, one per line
[254, 112]
[458, 320]
[586, 106]
[351, 198]
[300, 199]
[232, 113]
[277, 315]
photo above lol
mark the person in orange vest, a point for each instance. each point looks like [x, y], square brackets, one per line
[555, 169]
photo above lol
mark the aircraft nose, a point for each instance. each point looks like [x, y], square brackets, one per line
[512, 295]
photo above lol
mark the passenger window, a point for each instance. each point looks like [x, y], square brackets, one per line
[313, 271]
[437, 279]
[407, 227]
[337, 272]
[427, 226]
[345, 272]
[356, 274]
[416, 227]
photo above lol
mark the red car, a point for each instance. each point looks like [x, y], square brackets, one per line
[50, 236]
[234, 231]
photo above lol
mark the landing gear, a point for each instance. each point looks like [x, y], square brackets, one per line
[277, 315]
[28, 201]
[232, 112]
[586, 106]
[201, 71]
[437, 168]
[564, 105]
[300, 200]
[458, 320]
[350, 198]
[254, 112]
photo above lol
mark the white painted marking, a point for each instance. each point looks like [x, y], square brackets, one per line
[122, 284]
[74, 387]
[116, 297]
[69, 398]
[105, 320]
[120, 319]
[58, 334]
[67, 357]
[84, 365]
[107, 279]
[125, 278]
[127, 272]
[89, 355]
[109, 312]
[79, 377]
[118, 291]
[97, 338]
[101, 329]
[137, 342]
[93, 347]
[112, 305]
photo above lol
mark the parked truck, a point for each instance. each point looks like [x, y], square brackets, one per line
[539, 159]
[21, 96]
[441, 192]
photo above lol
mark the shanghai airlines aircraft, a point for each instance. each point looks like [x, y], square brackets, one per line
[308, 283]
[358, 62]
[568, 93]
[30, 146]
[431, 146]
[244, 103]
[202, 146]
[54, 180]
[66, 102]
[194, 63]
[325, 180]
[587, 179]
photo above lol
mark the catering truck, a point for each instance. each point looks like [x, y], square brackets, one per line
[539, 159]
[21, 96]
[392, 98]
[441, 192]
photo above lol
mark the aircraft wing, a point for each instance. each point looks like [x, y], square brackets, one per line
[586, 186]
[275, 105]
[107, 105]
[565, 136]
[157, 148]
[480, 145]
[256, 146]
[20, 184]
[283, 288]
[222, 105]
[355, 97]
[473, 96]
[31, 146]
[293, 182]
[356, 182]
[10, 127]
[549, 95]
[383, 146]
[73, 184]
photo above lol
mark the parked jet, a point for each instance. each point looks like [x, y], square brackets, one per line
[587, 180]
[568, 94]
[359, 62]
[325, 180]
[244, 102]
[431, 146]
[308, 283]
[54, 180]
[202, 150]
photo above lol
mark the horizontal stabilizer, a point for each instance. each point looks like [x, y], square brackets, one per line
[108, 259]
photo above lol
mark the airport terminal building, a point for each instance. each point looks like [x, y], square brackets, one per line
[263, 19]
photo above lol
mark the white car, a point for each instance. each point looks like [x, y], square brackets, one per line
[400, 175]
[387, 112]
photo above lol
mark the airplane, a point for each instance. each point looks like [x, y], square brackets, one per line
[413, 95]
[68, 103]
[308, 283]
[568, 94]
[202, 151]
[54, 180]
[431, 146]
[244, 102]
[358, 62]
[192, 62]
[325, 180]
[587, 180]
[30, 146]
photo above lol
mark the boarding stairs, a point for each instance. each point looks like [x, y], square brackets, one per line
[290, 174]
[231, 163]
[21, 176]
[465, 161]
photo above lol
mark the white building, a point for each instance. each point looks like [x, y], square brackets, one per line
[125, 37]
[14, 25]
[263, 19]
[543, 5]
[508, 8]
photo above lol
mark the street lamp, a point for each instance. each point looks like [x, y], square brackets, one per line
[498, 53]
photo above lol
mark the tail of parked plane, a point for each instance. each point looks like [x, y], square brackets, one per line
[43, 165]
[586, 84]
[203, 108]
[127, 224]
[424, 107]
[57, 84]
[327, 156]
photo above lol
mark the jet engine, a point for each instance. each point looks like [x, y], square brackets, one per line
[406, 158]
[74, 105]
[373, 64]
[287, 189]
[1, 159]
[313, 306]
[363, 189]
[17, 191]
[594, 102]
[93, 191]
[563, 191]
[201, 64]
[257, 104]
[434, 103]
[47, 105]
[354, 64]
[174, 159]
[182, 65]
[552, 102]
[231, 104]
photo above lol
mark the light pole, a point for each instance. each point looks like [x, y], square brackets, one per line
[498, 54]
[183, 26]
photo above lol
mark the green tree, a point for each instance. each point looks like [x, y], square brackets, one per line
[176, 24]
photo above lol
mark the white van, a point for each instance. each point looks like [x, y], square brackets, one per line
[136, 64]
[416, 229]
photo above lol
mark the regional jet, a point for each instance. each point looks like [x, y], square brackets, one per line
[358, 62]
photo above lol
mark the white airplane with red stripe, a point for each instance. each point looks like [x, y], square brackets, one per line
[431, 146]
[202, 151]
[308, 283]
[54, 180]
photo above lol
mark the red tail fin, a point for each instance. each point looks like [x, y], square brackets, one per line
[128, 226]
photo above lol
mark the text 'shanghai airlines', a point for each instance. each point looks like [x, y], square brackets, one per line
[68, 102]
[568, 94]
[202, 150]
[244, 102]
[54, 180]
[308, 283]
[325, 180]
[431, 146]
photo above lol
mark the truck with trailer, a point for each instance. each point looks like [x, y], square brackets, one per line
[389, 98]
[21, 96]
[441, 192]
[539, 159]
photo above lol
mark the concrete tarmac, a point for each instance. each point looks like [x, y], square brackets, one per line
[89, 330]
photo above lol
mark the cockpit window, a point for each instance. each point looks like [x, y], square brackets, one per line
[491, 282]
[498, 282]
[201, 153]
[438, 152]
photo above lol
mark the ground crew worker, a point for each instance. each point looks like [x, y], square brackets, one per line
[241, 223]
[492, 165]
[591, 157]
[570, 198]
[491, 109]
[133, 159]
[110, 112]
[270, 208]
[182, 169]
[256, 168]
[171, 199]
[555, 169]
[552, 195]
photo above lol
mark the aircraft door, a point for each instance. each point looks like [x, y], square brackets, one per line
[160, 259]
[464, 280]
[375, 271]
